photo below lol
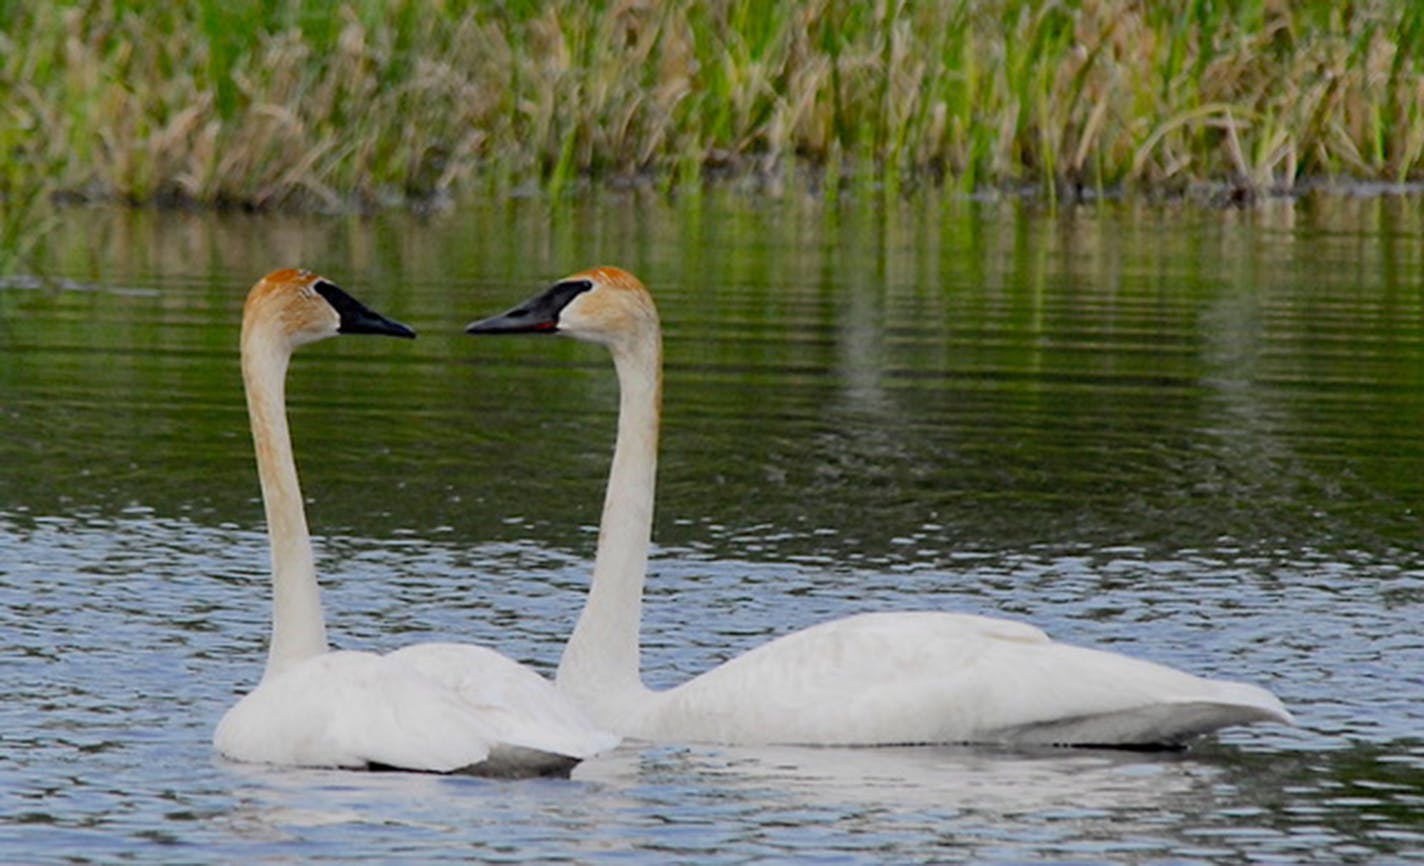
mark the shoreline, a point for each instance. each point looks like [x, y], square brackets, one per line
[1206, 194]
[362, 107]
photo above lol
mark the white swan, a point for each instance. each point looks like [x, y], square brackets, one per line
[431, 707]
[884, 678]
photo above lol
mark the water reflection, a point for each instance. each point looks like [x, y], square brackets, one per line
[729, 804]
[1192, 366]
[946, 778]
[1188, 436]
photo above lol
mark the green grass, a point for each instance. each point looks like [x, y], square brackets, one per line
[261, 103]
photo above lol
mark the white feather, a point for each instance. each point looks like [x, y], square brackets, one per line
[887, 678]
[926, 677]
[431, 707]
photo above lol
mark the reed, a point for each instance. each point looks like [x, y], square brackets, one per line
[365, 103]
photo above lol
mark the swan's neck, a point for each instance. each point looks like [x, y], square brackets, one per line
[600, 664]
[297, 628]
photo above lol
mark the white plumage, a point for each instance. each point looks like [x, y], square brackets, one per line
[928, 677]
[440, 708]
[435, 707]
[874, 679]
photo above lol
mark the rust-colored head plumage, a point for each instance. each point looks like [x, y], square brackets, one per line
[301, 306]
[604, 304]
[285, 303]
[610, 277]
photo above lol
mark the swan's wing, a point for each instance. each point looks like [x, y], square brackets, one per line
[355, 709]
[525, 708]
[1082, 696]
[940, 677]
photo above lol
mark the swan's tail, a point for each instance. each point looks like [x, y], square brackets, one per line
[1164, 724]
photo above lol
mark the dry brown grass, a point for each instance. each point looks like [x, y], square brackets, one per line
[377, 103]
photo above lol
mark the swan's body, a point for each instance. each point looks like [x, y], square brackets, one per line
[873, 679]
[430, 707]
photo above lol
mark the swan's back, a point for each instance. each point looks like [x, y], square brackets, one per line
[532, 712]
[877, 679]
[355, 710]
[436, 708]
[928, 677]
[416, 709]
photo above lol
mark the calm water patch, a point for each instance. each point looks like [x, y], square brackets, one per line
[1189, 436]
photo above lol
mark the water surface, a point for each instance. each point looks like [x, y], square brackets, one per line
[1186, 435]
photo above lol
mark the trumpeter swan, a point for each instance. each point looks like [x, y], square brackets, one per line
[882, 678]
[431, 707]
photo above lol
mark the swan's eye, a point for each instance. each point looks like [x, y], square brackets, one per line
[343, 303]
[548, 306]
[561, 294]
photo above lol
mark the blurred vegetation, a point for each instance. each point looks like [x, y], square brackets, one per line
[365, 103]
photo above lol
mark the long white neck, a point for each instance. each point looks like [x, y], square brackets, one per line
[600, 663]
[298, 631]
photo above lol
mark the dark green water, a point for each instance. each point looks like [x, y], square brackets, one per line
[1190, 435]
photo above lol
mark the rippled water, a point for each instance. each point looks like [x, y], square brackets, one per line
[1187, 435]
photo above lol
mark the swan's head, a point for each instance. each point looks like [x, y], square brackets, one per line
[302, 307]
[603, 305]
